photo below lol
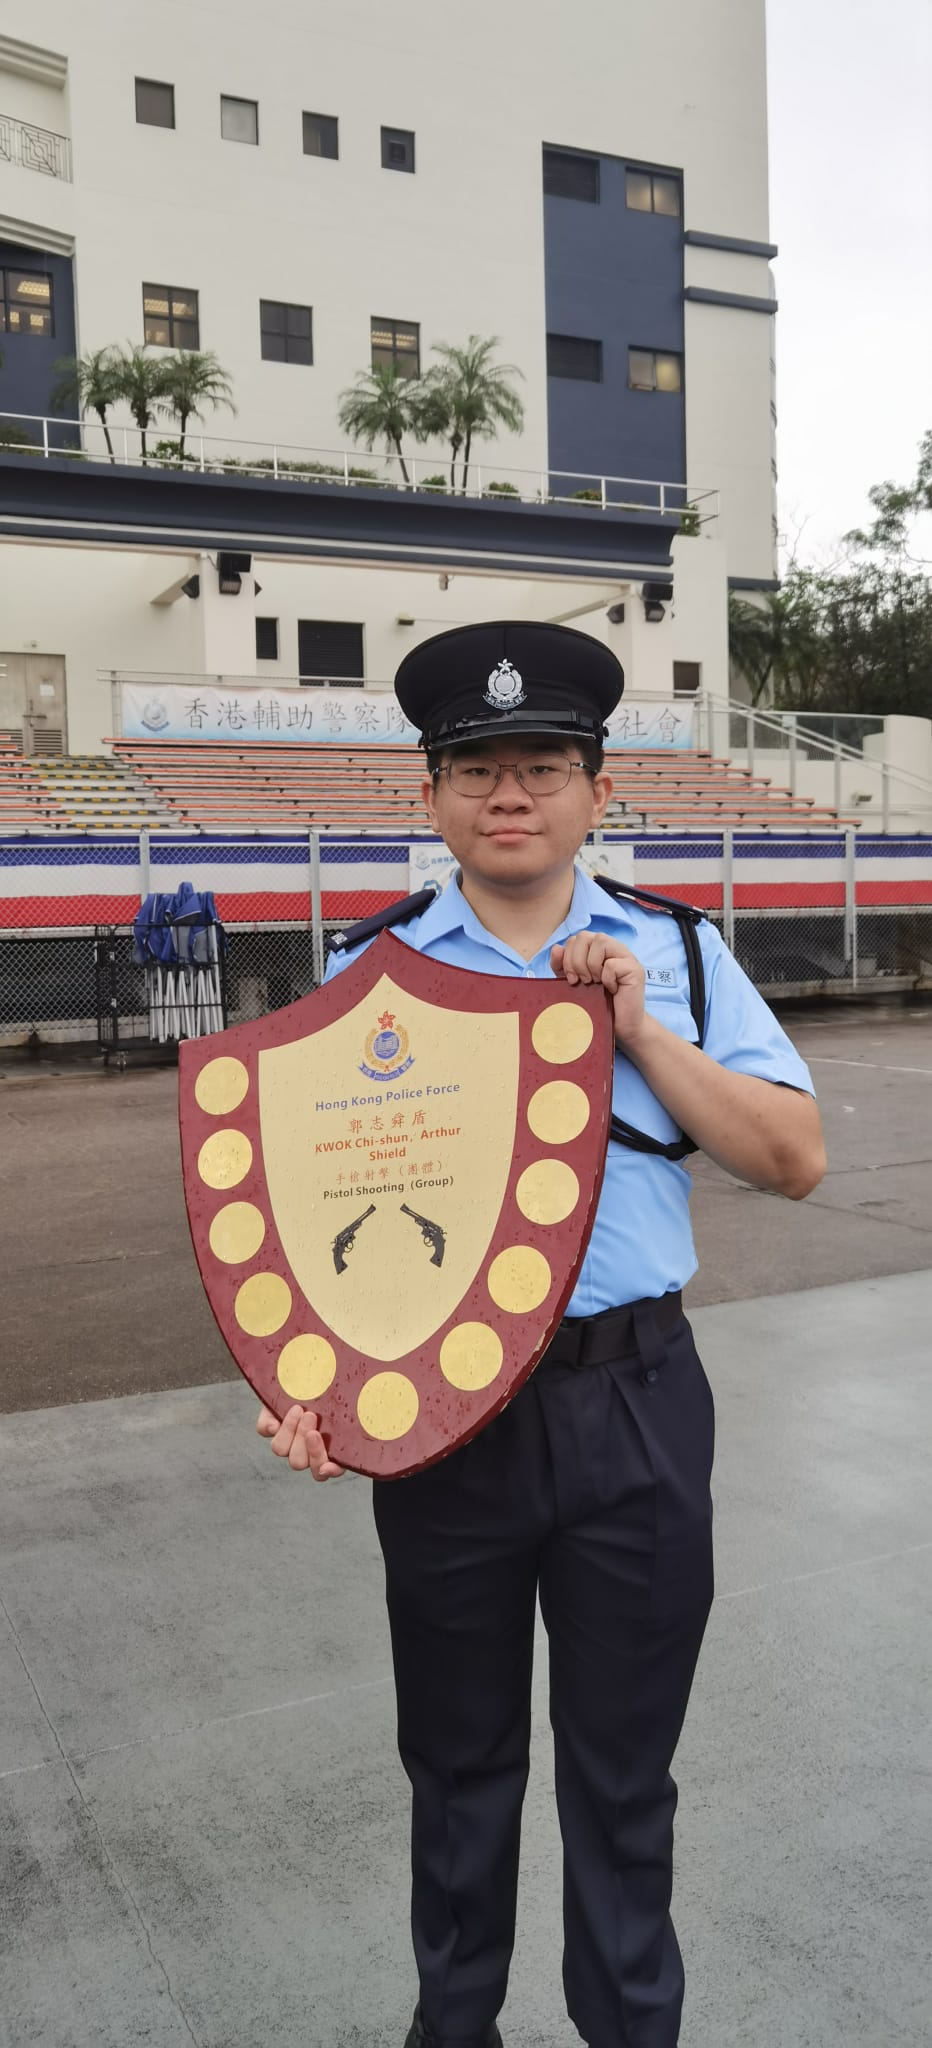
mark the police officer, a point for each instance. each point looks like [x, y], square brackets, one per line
[590, 1491]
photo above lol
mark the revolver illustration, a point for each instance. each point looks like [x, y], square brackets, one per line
[430, 1232]
[345, 1239]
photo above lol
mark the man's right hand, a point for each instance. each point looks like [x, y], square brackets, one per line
[299, 1440]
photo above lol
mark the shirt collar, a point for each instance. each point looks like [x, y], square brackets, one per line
[450, 912]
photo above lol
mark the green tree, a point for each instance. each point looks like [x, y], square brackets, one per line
[191, 380]
[468, 398]
[140, 382]
[379, 407]
[90, 382]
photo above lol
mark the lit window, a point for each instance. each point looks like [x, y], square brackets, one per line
[239, 119]
[571, 177]
[155, 104]
[26, 304]
[574, 355]
[285, 332]
[320, 134]
[170, 316]
[397, 149]
[396, 345]
[653, 192]
[651, 369]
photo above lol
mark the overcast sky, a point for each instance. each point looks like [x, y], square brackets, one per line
[851, 209]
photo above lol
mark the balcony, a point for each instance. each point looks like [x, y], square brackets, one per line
[34, 149]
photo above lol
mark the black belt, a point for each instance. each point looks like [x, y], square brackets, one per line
[593, 1340]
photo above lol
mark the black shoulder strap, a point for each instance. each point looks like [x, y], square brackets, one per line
[382, 920]
[687, 917]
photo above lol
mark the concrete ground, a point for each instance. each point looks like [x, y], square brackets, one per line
[203, 1824]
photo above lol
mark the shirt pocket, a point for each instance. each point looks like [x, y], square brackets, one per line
[669, 1003]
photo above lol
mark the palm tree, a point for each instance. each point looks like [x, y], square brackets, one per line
[192, 378]
[479, 398]
[141, 383]
[91, 382]
[379, 407]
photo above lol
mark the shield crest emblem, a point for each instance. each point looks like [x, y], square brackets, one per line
[391, 1186]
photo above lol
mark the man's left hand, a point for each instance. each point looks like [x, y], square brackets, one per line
[593, 957]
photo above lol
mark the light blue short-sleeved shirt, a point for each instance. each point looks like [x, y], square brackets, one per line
[642, 1241]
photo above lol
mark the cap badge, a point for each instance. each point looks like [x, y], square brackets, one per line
[505, 687]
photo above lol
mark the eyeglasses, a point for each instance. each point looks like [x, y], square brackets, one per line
[542, 775]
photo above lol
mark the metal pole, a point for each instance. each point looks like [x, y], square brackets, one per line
[728, 886]
[750, 723]
[793, 757]
[143, 862]
[45, 438]
[837, 778]
[851, 903]
[317, 908]
[885, 795]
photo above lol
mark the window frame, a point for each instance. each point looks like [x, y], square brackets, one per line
[653, 171]
[403, 135]
[399, 358]
[158, 85]
[326, 155]
[349, 681]
[287, 306]
[236, 99]
[8, 270]
[673, 355]
[552, 154]
[171, 292]
[690, 689]
[592, 341]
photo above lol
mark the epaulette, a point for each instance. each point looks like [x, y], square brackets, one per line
[383, 920]
[673, 905]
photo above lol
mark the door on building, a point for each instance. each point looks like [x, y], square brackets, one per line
[32, 702]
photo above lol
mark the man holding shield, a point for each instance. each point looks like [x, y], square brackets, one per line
[590, 1490]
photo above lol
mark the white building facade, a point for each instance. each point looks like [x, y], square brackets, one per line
[308, 191]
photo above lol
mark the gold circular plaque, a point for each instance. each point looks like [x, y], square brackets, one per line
[562, 1033]
[306, 1367]
[558, 1112]
[387, 1406]
[224, 1159]
[519, 1279]
[471, 1356]
[263, 1304]
[237, 1232]
[221, 1086]
[548, 1191]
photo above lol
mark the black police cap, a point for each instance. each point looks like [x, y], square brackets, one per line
[506, 678]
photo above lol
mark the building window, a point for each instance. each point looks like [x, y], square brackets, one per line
[572, 355]
[652, 369]
[571, 177]
[26, 303]
[653, 192]
[286, 332]
[170, 316]
[155, 104]
[397, 149]
[687, 678]
[321, 134]
[329, 650]
[266, 639]
[239, 120]
[396, 345]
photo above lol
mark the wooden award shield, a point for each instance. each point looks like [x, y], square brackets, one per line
[391, 1186]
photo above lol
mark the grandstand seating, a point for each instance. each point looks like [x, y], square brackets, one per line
[378, 787]
[23, 801]
[100, 792]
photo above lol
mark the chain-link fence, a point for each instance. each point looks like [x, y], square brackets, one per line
[803, 914]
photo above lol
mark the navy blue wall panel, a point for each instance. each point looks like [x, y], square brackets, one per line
[27, 375]
[614, 275]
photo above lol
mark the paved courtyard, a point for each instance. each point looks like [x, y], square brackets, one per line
[203, 1824]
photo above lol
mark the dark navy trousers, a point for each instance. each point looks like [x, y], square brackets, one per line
[591, 1492]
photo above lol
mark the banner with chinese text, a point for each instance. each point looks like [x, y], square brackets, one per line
[208, 711]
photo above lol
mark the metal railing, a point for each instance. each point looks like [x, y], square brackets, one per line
[34, 149]
[686, 507]
[763, 740]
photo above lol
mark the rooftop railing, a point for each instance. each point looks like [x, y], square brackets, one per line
[686, 507]
[34, 149]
